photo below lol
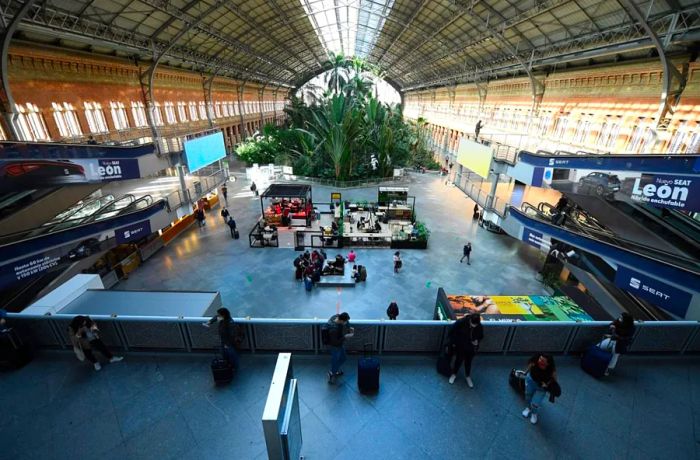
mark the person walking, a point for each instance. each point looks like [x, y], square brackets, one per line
[464, 338]
[85, 337]
[225, 214]
[397, 262]
[224, 192]
[393, 310]
[254, 188]
[466, 252]
[541, 375]
[229, 333]
[619, 339]
[476, 212]
[337, 329]
[477, 129]
[232, 226]
[199, 215]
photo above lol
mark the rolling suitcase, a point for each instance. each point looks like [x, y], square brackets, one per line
[236, 235]
[308, 284]
[14, 352]
[221, 370]
[444, 364]
[367, 373]
[595, 361]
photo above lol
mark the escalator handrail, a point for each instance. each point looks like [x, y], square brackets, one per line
[111, 207]
[85, 204]
[147, 198]
[160, 202]
[694, 265]
[545, 153]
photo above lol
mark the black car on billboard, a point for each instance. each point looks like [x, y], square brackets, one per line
[84, 249]
[601, 183]
[19, 174]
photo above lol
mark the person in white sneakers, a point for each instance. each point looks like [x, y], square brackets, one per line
[541, 374]
[464, 338]
[85, 337]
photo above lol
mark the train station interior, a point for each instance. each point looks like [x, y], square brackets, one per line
[194, 195]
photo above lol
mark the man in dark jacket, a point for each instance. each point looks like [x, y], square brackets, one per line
[230, 334]
[464, 338]
[466, 252]
[338, 327]
[232, 225]
[393, 311]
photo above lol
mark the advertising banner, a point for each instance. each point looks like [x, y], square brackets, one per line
[24, 174]
[518, 308]
[133, 232]
[658, 190]
[669, 298]
[475, 156]
[536, 239]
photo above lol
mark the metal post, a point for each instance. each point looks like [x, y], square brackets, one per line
[183, 184]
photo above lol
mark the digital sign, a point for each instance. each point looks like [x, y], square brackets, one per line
[205, 150]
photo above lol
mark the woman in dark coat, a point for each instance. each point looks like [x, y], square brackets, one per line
[229, 334]
[465, 336]
[619, 338]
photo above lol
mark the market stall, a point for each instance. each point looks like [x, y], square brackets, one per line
[287, 205]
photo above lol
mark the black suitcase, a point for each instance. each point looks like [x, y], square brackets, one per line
[14, 352]
[444, 364]
[516, 379]
[236, 235]
[595, 361]
[367, 373]
[221, 370]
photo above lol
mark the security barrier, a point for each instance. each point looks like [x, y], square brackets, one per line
[130, 333]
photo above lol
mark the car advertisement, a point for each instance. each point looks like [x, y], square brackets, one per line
[669, 298]
[517, 308]
[38, 173]
[658, 190]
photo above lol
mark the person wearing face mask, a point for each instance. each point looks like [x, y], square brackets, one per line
[541, 378]
[230, 335]
[464, 338]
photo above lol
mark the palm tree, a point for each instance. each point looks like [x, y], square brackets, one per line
[334, 78]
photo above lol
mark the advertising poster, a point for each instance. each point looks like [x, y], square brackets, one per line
[518, 308]
[652, 290]
[536, 239]
[658, 190]
[475, 156]
[24, 174]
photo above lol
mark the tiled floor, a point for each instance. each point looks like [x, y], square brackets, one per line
[260, 282]
[166, 407]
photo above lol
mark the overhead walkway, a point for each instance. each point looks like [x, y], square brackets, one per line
[667, 279]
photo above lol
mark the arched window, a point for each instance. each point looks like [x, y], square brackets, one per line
[95, 117]
[194, 115]
[66, 120]
[138, 112]
[203, 111]
[170, 113]
[157, 114]
[182, 112]
[30, 123]
[119, 115]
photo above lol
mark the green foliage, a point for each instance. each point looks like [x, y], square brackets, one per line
[345, 134]
[422, 232]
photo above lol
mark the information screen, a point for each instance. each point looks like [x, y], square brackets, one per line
[204, 150]
[475, 156]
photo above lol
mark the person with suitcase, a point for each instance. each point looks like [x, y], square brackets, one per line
[333, 334]
[231, 337]
[618, 340]
[541, 375]
[397, 262]
[465, 335]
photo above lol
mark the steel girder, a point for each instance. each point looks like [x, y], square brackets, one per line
[291, 27]
[673, 81]
[613, 40]
[411, 18]
[7, 102]
[63, 24]
[239, 93]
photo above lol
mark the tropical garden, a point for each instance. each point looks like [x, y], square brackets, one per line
[342, 130]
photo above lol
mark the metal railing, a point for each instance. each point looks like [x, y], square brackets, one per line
[173, 334]
[342, 184]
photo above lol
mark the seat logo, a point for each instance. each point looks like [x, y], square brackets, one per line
[635, 283]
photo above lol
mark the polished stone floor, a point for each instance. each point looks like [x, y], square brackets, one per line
[260, 282]
[166, 407]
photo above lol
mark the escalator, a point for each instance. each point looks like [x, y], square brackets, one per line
[75, 236]
[666, 279]
[682, 224]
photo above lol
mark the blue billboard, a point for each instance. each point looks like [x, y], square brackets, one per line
[204, 150]
[657, 292]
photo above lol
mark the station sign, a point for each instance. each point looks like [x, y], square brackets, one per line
[652, 290]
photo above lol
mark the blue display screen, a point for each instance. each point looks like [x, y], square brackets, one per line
[204, 150]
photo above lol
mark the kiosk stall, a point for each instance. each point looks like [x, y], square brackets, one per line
[287, 205]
